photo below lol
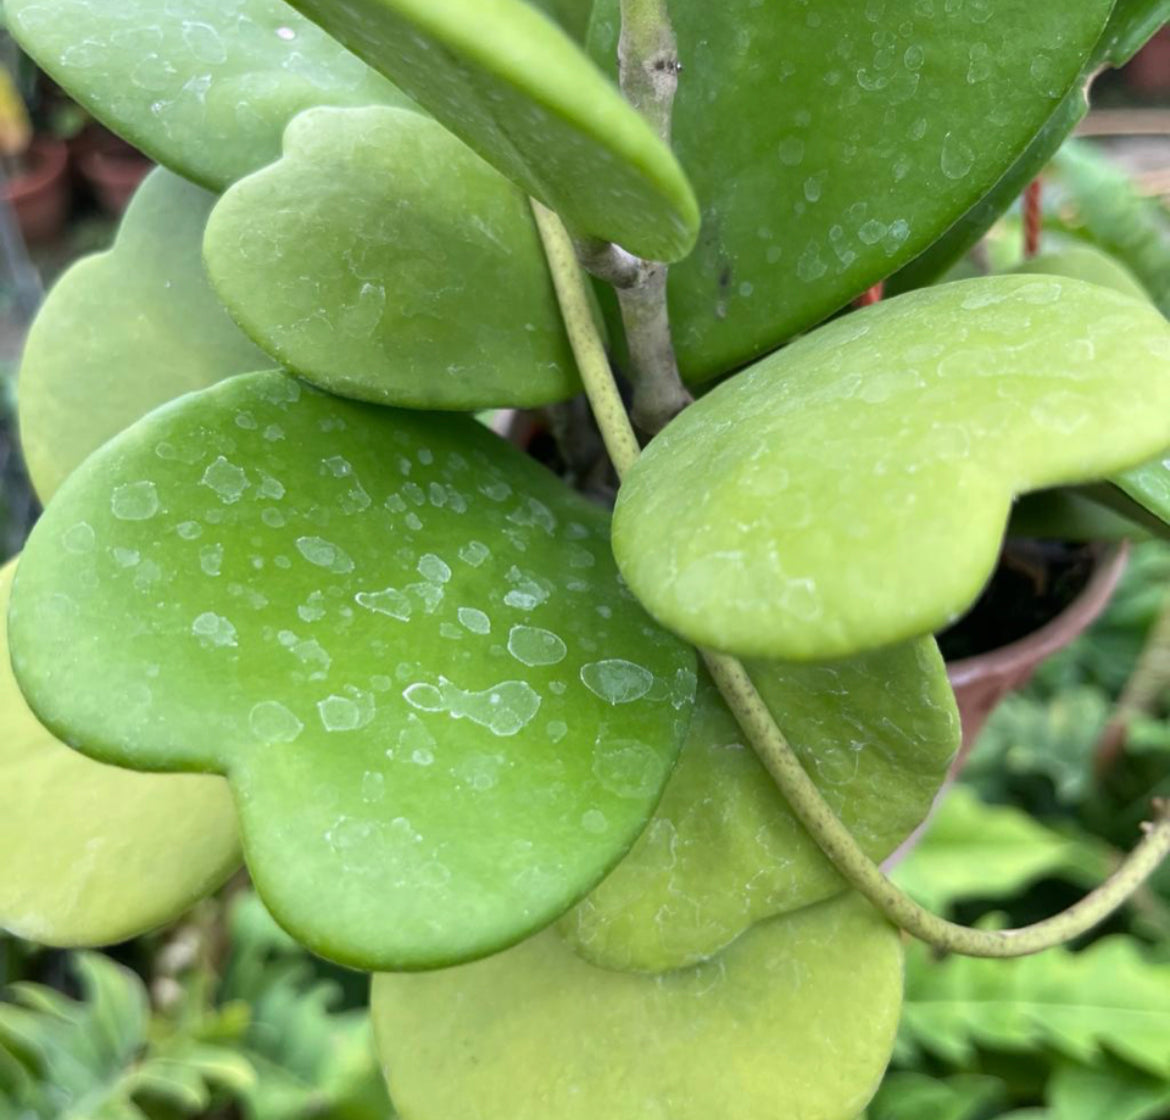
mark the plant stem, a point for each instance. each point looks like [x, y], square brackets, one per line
[648, 69]
[740, 694]
[648, 62]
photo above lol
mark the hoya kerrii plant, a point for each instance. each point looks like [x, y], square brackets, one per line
[598, 800]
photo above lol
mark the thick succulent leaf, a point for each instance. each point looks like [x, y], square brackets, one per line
[860, 135]
[863, 496]
[504, 78]
[203, 86]
[125, 331]
[1088, 263]
[1069, 515]
[794, 1019]
[950, 249]
[1144, 490]
[877, 734]
[405, 643]
[94, 854]
[416, 277]
[1132, 25]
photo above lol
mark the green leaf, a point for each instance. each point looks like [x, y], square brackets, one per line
[863, 498]
[796, 1018]
[125, 331]
[724, 851]
[1088, 263]
[832, 146]
[1110, 1093]
[915, 1096]
[973, 850]
[203, 86]
[1106, 998]
[93, 854]
[417, 278]
[510, 83]
[404, 642]
[1089, 194]
[1132, 25]
[1148, 485]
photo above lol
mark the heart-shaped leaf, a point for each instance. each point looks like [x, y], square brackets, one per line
[505, 79]
[203, 86]
[877, 734]
[94, 854]
[415, 278]
[125, 331]
[406, 645]
[851, 491]
[797, 1018]
[830, 144]
[1145, 489]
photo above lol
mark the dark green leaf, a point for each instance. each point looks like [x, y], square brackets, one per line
[203, 86]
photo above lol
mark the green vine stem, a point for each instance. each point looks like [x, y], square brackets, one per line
[745, 702]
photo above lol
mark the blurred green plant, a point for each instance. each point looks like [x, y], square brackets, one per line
[1074, 1034]
[261, 1039]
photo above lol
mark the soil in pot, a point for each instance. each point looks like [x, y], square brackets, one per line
[1043, 595]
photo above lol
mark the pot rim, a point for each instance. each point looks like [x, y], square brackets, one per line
[1055, 633]
[50, 157]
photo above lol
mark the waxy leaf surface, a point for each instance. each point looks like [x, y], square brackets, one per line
[404, 643]
[94, 854]
[125, 331]
[1147, 485]
[1130, 25]
[723, 851]
[415, 276]
[830, 143]
[796, 1018]
[508, 81]
[203, 86]
[851, 491]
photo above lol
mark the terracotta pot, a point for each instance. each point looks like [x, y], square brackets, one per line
[40, 195]
[981, 682]
[113, 174]
[1149, 72]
